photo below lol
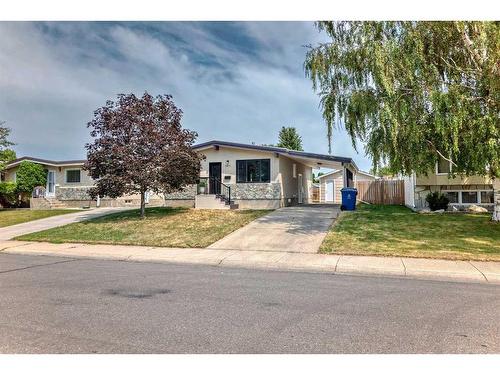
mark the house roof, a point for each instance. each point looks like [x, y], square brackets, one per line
[54, 163]
[337, 171]
[279, 150]
[318, 159]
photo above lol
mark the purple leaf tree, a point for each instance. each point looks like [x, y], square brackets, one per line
[140, 146]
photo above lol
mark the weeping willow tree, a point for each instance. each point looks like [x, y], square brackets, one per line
[412, 92]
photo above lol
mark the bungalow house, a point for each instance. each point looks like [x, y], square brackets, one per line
[231, 175]
[462, 191]
[331, 183]
[67, 186]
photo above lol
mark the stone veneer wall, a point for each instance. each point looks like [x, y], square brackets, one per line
[72, 194]
[253, 191]
[189, 192]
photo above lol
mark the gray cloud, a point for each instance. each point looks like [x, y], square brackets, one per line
[234, 81]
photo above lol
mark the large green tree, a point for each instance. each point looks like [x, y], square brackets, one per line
[6, 154]
[29, 175]
[412, 92]
[289, 138]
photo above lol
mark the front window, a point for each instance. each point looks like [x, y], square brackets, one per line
[469, 196]
[444, 166]
[452, 196]
[73, 176]
[487, 197]
[258, 170]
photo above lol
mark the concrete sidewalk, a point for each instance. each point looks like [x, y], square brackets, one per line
[7, 233]
[481, 272]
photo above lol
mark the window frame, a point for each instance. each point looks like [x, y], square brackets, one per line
[246, 171]
[445, 173]
[460, 201]
[72, 170]
[459, 195]
[486, 191]
[470, 191]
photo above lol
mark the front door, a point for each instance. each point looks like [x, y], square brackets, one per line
[215, 175]
[329, 191]
[300, 189]
[51, 184]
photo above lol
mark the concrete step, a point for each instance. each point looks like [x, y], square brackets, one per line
[55, 203]
[210, 202]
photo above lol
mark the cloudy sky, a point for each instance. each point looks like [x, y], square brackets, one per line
[234, 81]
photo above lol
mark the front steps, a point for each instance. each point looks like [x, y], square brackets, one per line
[212, 202]
[55, 203]
[44, 203]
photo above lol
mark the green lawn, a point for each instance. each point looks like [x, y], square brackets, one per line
[398, 231]
[169, 227]
[11, 217]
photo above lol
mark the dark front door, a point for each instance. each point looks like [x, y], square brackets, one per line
[215, 175]
[350, 181]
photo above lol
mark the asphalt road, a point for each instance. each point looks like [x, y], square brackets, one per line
[60, 305]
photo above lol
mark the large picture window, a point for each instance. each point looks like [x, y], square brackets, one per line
[73, 176]
[258, 170]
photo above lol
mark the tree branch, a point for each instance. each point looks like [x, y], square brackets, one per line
[440, 154]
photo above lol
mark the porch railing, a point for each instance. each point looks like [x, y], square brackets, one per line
[38, 192]
[212, 185]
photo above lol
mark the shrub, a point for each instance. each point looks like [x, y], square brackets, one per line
[8, 194]
[30, 175]
[437, 201]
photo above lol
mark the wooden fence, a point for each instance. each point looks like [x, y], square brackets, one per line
[381, 191]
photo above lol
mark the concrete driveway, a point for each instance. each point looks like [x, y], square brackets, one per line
[298, 229]
[7, 233]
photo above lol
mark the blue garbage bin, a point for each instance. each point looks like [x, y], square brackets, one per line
[348, 198]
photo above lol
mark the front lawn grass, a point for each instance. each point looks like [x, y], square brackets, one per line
[12, 216]
[398, 231]
[168, 227]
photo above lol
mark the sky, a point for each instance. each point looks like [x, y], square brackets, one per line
[238, 81]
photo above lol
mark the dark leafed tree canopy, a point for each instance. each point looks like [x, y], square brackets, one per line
[413, 91]
[139, 145]
[289, 138]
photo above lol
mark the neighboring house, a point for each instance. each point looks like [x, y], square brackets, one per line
[331, 183]
[253, 176]
[462, 191]
[68, 185]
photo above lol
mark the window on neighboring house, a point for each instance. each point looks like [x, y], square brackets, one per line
[487, 197]
[444, 166]
[73, 176]
[452, 196]
[14, 177]
[258, 170]
[469, 196]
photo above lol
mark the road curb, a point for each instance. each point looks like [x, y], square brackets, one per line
[411, 268]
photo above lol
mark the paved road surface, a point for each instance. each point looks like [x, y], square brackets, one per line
[291, 229]
[61, 305]
[7, 233]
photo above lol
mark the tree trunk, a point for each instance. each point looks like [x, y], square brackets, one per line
[496, 199]
[143, 204]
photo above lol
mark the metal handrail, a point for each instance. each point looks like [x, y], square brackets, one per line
[224, 191]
